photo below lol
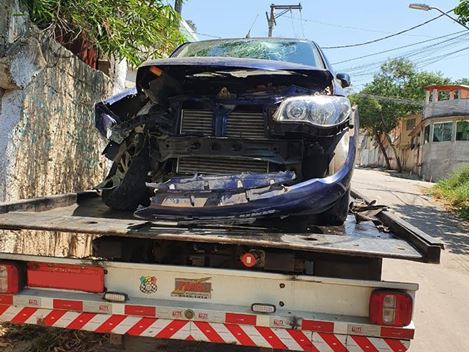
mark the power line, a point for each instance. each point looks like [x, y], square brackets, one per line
[383, 38]
[397, 48]
[338, 25]
[416, 52]
[392, 99]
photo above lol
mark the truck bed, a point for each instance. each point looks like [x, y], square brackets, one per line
[84, 213]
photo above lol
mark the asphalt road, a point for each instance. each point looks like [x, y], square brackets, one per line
[441, 310]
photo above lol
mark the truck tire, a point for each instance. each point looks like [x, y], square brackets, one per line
[337, 214]
[132, 191]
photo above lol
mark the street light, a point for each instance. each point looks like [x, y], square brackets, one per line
[425, 7]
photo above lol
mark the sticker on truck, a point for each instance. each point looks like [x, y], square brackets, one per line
[193, 288]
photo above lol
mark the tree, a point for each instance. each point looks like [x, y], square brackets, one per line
[396, 90]
[462, 12]
[135, 30]
[463, 81]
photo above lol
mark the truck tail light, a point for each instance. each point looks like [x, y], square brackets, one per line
[87, 278]
[390, 308]
[10, 280]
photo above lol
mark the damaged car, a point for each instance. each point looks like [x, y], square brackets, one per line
[254, 128]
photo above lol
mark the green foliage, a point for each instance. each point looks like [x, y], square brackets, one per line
[462, 12]
[463, 81]
[454, 191]
[135, 30]
[396, 90]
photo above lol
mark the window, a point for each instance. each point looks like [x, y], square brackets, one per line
[442, 132]
[443, 95]
[462, 131]
[427, 133]
[296, 51]
[410, 124]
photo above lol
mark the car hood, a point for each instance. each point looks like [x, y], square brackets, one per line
[192, 65]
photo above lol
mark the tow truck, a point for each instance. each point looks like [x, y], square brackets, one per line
[317, 290]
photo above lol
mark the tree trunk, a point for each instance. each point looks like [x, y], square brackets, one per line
[394, 152]
[382, 148]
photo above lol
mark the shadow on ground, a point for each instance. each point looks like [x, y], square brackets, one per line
[437, 223]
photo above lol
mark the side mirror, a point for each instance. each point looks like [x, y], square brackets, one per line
[344, 79]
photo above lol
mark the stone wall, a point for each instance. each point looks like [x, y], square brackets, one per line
[48, 143]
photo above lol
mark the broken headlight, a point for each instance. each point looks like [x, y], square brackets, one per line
[319, 110]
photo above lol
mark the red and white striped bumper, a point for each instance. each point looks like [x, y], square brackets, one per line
[227, 333]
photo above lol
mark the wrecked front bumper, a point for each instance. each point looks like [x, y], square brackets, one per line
[249, 195]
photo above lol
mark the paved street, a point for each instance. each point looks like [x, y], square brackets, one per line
[441, 311]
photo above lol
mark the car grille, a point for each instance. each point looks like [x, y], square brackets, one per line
[240, 124]
[220, 166]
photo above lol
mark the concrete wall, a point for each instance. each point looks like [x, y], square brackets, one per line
[440, 159]
[446, 108]
[48, 143]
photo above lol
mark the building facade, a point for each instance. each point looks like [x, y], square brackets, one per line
[443, 133]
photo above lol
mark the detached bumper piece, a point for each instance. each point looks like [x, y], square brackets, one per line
[247, 195]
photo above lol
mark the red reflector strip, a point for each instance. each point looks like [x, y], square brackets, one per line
[110, 323]
[144, 311]
[335, 344]
[364, 343]
[80, 321]
[271, 338]
[23, 315]
[3, 308]
[396, 345]
[303, 340]
[65, 276]
[171, 329]
[240, 335]
[318, 326]
[67, 304]
[6, 299]
[406, 334]
[233, 318]
[209, 331]
[52, 317]
[141, 326]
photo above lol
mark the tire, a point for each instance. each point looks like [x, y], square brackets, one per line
[337, 214]
[132, 191]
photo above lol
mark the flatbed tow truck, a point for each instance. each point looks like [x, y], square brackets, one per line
[319, 290]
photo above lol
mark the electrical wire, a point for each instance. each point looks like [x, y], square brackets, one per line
[382, 38]
[419, 52]
[397, 48]
[339, 25]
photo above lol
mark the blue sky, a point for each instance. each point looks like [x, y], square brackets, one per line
[339, 22]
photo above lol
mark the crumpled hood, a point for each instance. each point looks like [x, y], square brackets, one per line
[191, 65]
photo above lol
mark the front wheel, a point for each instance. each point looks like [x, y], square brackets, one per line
[131, 171]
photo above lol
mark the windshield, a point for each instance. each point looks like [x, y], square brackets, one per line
[298, 52]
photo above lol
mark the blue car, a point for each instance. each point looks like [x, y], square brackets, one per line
[253, 129]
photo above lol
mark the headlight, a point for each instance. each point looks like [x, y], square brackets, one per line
[320, 110]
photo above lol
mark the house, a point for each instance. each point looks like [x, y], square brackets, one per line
[443, 133]
[406, 143]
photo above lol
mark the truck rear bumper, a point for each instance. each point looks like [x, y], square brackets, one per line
[310, 336]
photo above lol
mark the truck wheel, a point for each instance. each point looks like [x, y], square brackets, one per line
[337, 214]
[131, 192]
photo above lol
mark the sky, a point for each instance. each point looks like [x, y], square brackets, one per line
[343, 22]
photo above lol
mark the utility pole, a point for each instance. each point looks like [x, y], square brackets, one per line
[272, 17]
[178, 6]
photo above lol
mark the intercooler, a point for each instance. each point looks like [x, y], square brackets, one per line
[240, 125]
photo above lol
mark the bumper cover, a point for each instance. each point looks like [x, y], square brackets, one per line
[313, 196]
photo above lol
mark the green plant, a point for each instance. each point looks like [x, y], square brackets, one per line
[135, 30]
[462, 11]
[454, 191]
